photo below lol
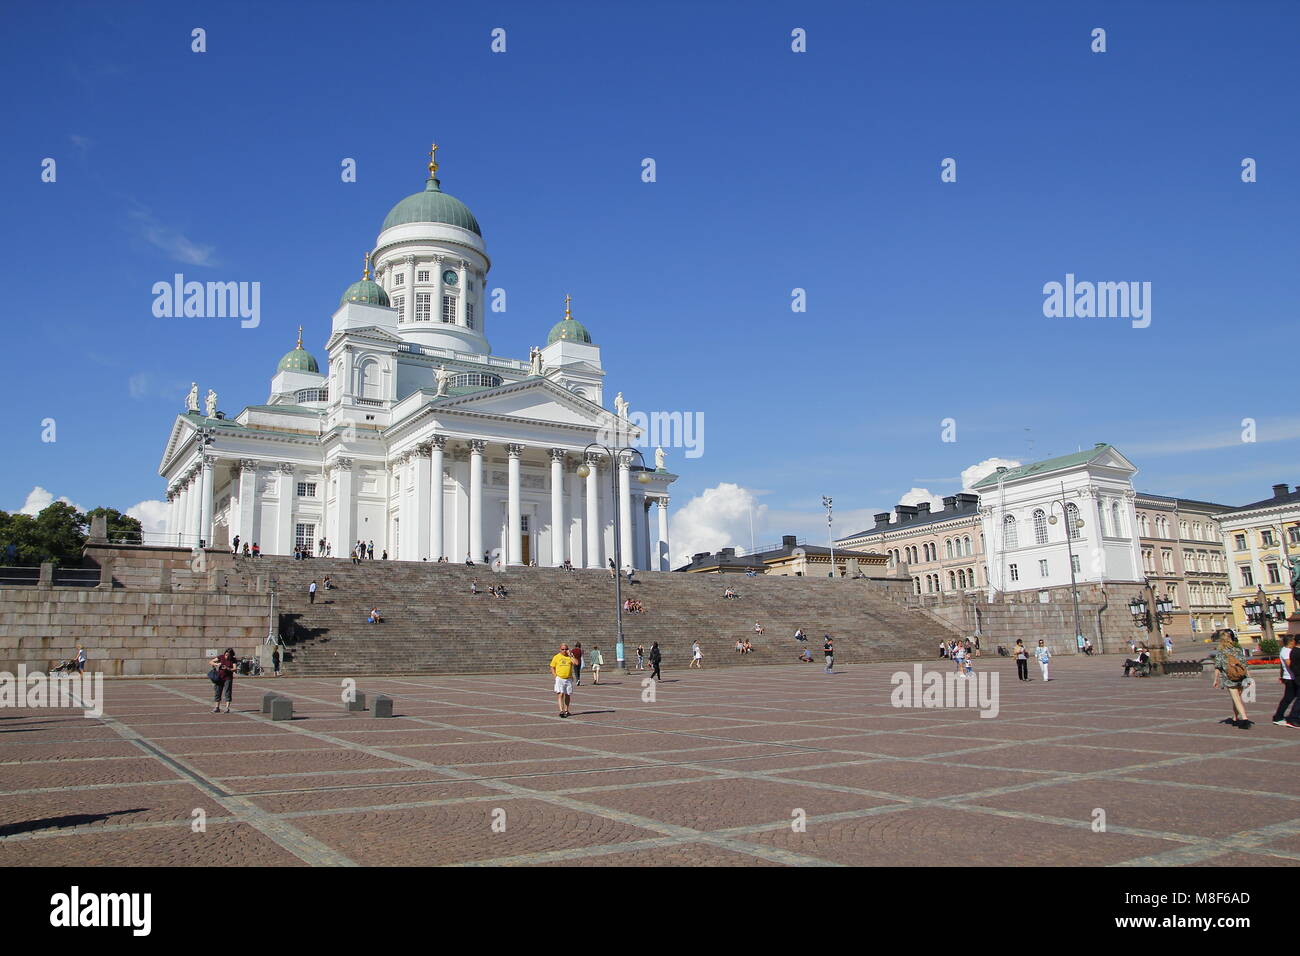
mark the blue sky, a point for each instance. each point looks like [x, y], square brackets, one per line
[775, 170]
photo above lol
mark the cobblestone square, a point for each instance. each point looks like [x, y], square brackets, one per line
[772, 765]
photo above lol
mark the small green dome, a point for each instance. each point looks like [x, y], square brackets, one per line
[299, 360]
[432, 205]
[366, 291]
[569, 329]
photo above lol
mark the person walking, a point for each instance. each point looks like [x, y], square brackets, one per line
[562, 671]
[655, 658]
[1022, 660]
[311, 592]
[1044, 658]
[577, 662]
[1231, 673]
[640, 657]
[597, 660]
[697, 658]
[1286, 677]
[224, 685]
[828, 650]
[275, 660]
[958, 656]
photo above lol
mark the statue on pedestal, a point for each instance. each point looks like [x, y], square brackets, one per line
[535, 360]
[444, 380]
[192, 400]
[210, 404]
[660, 458]
[621, 406]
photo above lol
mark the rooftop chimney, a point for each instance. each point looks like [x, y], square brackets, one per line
[1280, 490]
[950, 503]
[923, 508]
[788, 540]
[882, 519]
[905, 512]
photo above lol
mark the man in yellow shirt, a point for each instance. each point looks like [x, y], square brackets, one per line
[562, 670]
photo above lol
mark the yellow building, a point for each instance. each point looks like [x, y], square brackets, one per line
[1262, 541]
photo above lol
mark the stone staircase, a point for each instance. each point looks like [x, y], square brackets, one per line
[434, 625]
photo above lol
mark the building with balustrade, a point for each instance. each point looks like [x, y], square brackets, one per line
[414, 436]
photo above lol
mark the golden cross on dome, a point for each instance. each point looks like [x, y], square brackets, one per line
[567, 300]
[300, 336]
[433, 158]
[366, 274]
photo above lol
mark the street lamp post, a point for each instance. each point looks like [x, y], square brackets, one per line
[1070, 529]
[1260, 610]
[1150, 611]
[615, 457]
[830, 538]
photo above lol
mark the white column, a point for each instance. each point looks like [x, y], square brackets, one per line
[625, 512]
[663, 558]
[574, 532]
[186, 514]
[476, 447]
[593, 510]
[558, 530]
[207, 479]
[436, 308]
[284, 517]
[169, 527]
[437, 548]
[409, 294]
[418, 529]
[514, 543]
[248, 501]
[463, 278]
[345, 538]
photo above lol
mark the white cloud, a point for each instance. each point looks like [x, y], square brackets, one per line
[917, 496]
[981, 470]
[151, 514]
[38, 499]
[717, 518]
[170, 241]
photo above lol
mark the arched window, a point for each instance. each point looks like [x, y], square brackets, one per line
[952, 581]
[1072, 520]
[368, 380]
[1009, 537]
[961, 578]
[1040, 526]
[947, 547]
[1144, 525]
[916, 585]
[965, 543]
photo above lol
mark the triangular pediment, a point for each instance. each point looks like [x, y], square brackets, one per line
[532, 400]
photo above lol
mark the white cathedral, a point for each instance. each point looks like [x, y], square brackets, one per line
[416, 437]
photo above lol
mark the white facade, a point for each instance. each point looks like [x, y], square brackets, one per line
[374, 448]
[1026, 550]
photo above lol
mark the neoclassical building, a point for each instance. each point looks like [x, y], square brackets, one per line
[1039, 519]
[414, 436]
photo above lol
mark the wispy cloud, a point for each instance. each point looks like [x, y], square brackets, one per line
[175, 244]
[1265, 431]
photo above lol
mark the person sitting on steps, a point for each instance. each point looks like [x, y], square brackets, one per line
[374, 616]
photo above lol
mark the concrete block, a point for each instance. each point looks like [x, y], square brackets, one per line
[267, 700]
[359, 703]
[282, 709]
[382, 706]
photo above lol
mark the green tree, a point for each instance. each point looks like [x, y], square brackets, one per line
[57, 534]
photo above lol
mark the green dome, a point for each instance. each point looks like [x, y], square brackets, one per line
[366, 291]
[432, 205]
[299, 360]
[569, 329]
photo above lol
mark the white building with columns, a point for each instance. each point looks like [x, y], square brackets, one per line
[1027, 512]
[415, 437]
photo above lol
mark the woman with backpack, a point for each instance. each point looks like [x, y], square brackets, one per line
[222, 676]
[1230, 672]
